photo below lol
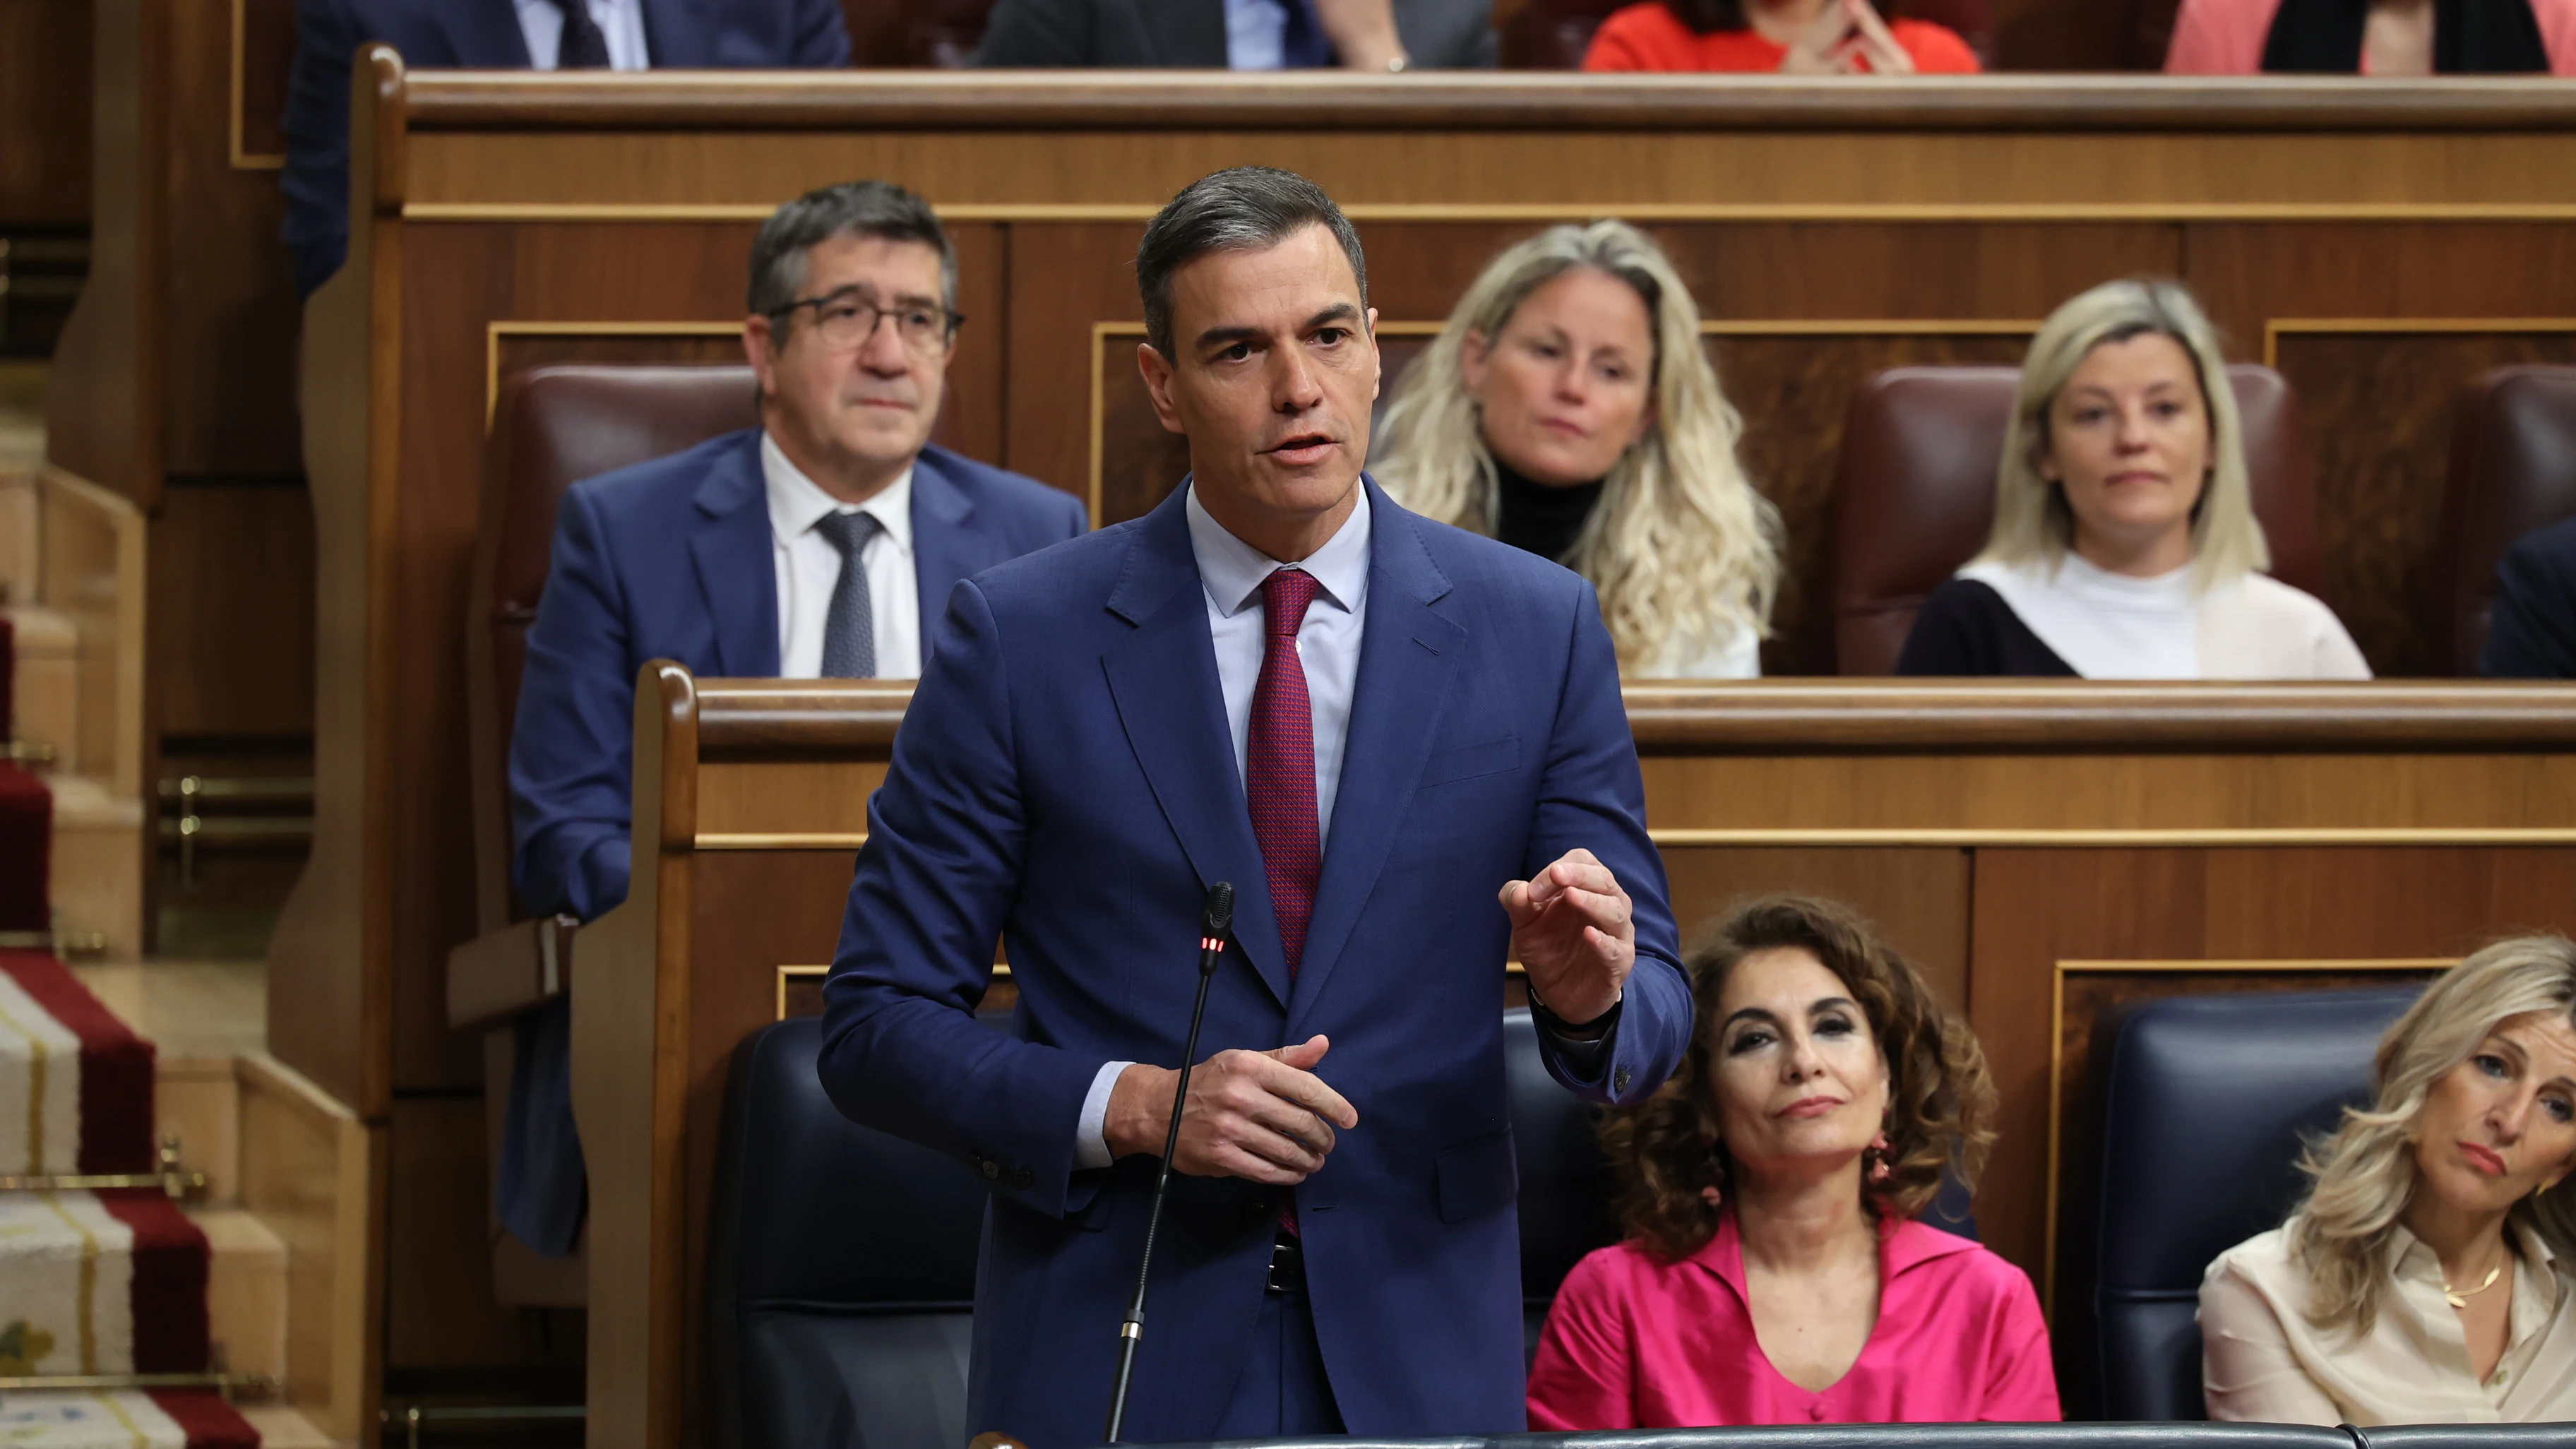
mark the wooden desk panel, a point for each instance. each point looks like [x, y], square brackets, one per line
[2011, 839]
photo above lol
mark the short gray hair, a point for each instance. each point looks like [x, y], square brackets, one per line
[878, 209]
[1243, 208]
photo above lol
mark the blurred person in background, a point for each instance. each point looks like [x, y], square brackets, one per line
[1773, 1271]
[2532, 633]
[1569, 408]
[2426, 1278]
[1792, 37]
[2125, 544]
[1379, 36]
[2374, 37]
[516, 35]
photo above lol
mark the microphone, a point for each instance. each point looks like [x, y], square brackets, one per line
[1131, 1330]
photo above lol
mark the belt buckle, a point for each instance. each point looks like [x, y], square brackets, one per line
[1287, 1266]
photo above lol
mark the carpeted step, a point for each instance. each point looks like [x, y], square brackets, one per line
[100, 1283]
[75, 1082]
[160, 1419]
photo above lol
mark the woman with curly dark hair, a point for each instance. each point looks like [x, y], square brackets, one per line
[1773, 1272]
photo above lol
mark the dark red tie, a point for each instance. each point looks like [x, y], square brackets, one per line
[1280, 779]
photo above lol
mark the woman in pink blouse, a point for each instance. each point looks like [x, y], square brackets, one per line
[1773, 1272]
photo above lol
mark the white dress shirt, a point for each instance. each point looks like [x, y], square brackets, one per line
[809, 569]
[2262, 1360]
[1256, 34]
[620, 22]
[1231, 573]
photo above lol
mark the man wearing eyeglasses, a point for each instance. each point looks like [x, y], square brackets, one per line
[812, 546]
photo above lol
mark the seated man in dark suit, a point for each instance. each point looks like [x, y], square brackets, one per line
[2533, 632]
[507, 35]
[1368, 35]
[815, 545]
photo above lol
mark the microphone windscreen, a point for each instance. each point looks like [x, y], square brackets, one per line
[1220, 908]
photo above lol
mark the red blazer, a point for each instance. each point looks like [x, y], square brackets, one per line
[1652, 37]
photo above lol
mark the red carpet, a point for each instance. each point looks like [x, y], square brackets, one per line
[26, 822]
[100, 1112]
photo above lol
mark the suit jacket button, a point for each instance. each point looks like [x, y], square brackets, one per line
[1619, 1080]
[1022, 1178]
[992, 1168]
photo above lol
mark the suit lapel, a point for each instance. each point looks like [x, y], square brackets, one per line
[1163, 681]
[731, 549]
[486, 34]
[941, 516]
[1184, 33]
[1408, 659]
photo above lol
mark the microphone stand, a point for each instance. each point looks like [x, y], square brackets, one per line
[1131, 1329]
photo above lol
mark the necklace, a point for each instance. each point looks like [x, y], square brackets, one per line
[2459, 1297]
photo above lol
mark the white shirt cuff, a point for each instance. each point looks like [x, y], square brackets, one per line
[1091, 1136]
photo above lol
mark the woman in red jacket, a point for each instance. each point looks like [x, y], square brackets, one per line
[1792, 37]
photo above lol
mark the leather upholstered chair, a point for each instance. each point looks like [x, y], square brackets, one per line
[2205, 1102]
[2513, 470]
[2465, 1436]
[1565, 1182]
[1915, 492]
[551, 427]
[840, 1270]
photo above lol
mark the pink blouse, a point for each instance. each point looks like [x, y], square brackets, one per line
[1635, 1342]
[2226, 37]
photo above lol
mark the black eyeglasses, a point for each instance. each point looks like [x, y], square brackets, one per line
[846, 319]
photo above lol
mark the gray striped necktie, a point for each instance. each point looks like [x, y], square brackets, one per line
[850, 631]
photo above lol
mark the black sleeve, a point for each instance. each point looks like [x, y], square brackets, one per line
[2533, 632]
[1967, 631]
[1447, 34]
[1037, 33]
[316, 122]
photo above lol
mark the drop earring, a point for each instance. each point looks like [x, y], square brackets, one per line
[1717, 1169]
[1877, 1154]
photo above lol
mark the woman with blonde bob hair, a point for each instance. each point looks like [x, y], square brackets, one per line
[1568, 408]
[2427, 1277]
[2124, 543]
[1774, 1271]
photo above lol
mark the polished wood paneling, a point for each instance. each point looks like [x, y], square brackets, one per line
[264, 40]
[1918, 898]
[44, 113]
[232, 611]
[2382, 463]
[2080, 35]
[2036, 908]
[439, 1308]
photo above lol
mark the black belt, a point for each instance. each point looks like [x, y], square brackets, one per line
[1287, 1265]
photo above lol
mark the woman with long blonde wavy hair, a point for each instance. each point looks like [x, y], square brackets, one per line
[2427, 1278]
[1568, 408]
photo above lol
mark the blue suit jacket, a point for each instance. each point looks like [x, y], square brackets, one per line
[671, 560]
[2532, 634]
[485, 35]
[1065, 780]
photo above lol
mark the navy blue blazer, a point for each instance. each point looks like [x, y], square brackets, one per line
[671, 560]
[2532, 633]
[1065, 780]
[485, 35]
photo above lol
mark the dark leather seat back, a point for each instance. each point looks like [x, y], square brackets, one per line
[551, 428]
[2466, 1436]
[2205, 1103]
[841, 1267]
[1915, 492]
[1565, 1181]
[2513, 469]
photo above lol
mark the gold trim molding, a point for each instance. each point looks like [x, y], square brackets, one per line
[2292, 966]
[237, 110]
[493, 332]
[1472, 213]
[1685, 838]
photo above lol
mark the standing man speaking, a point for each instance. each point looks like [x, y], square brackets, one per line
[1371, 725]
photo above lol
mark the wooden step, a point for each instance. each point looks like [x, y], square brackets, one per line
[44, 681]
[98, 863]
[245, 1291]
[20, 543]
[283, 1428]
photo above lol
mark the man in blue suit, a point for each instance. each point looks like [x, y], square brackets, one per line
[507, 35]
[812, 545]
[1367, 723]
